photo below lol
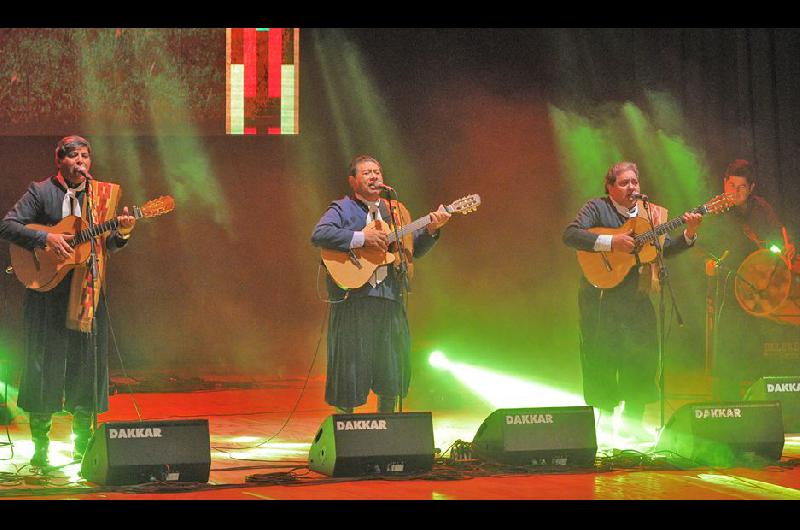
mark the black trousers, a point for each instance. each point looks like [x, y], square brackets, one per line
[368, 349]
[619, 346]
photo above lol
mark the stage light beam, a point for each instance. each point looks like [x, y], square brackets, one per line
[502, 391]
[438, 360]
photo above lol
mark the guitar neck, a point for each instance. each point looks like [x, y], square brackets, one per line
[98, 230]
[662, 229]
[463, 205]
[409, 228]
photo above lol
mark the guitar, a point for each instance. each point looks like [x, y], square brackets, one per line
[607, 269]
[353, 269]
[41, 270]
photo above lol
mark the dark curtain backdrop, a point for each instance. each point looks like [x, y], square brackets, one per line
[737, 87]
[457, 112]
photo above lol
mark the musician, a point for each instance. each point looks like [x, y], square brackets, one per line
[751, 225]
[57, 374]
[618, 340]
[368, 336]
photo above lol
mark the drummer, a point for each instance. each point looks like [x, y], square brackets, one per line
[751, 225]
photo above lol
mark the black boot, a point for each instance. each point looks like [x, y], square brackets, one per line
[82, 429]
[40, 424]
[386, 404]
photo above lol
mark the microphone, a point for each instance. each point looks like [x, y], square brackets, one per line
[637, 196]
[718, 260]
[384, 186]
[83, 171]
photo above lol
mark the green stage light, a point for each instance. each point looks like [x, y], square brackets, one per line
[775, 249]
[438, 360]
[654, 134]
[503, 391]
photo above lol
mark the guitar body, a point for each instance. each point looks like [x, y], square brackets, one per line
[349, 275]
[40, 269]
[605, 270]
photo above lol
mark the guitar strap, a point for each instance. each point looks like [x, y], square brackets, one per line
[85, 289]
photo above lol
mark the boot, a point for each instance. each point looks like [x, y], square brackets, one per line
[386, 404]
[40, 424]
[82, 429]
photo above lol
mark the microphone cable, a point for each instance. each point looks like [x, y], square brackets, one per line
[121, 363]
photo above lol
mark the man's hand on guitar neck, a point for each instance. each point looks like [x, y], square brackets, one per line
[692, 221]
[623, 242]
[60, 245]
[126, 223]
[375, 238]
[438, 219]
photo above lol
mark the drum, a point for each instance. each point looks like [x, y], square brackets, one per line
[765, 287]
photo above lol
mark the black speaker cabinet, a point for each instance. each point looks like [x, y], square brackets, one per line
[123, 453]
[538, 436]
[784, 389]
[353, 445]
[725, 433]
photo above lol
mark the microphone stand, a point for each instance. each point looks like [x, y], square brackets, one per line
[403, 277]
[663, 279]
[712, 289]
[94, 268]
[718, 265]
[712, 297]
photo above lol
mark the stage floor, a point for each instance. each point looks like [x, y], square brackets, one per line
[244, 445]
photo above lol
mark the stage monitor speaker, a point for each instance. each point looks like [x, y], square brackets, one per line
[123, 453]
[353, 445]
[538, 436]
[725, 433]
[784, 389]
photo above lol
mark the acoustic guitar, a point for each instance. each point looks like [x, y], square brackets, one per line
[351, 270]
[607, 269]
[41, 270]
